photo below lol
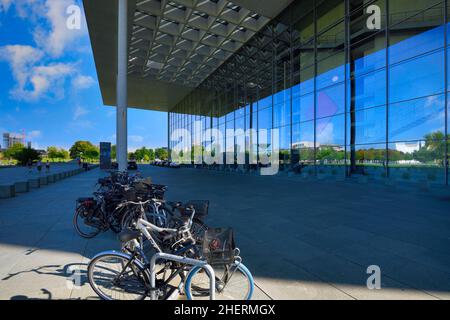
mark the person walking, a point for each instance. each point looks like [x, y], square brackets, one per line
[47, 166]
[39, 166]
[30, 165]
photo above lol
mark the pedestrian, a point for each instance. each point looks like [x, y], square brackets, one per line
[47, 166]
[30, 165]
[39, 166]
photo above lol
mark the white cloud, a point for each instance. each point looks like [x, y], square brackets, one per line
[21, 59]
[80, 125]
[35, 134]
[79, 112]
[4, 5]
[58, 38]
[135, 139]
[83, 82]
[33, 80]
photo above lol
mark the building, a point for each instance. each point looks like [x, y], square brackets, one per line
[10, 139]
[368, 78]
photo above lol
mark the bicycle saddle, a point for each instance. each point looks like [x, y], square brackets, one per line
[128, 235]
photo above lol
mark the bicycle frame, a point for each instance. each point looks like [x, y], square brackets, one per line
[186, 261]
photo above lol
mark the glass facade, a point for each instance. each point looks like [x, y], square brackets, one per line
[354, 87]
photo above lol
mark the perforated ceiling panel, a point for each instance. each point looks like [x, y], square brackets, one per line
[184, 41]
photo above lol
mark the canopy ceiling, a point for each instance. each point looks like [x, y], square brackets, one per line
[173, 45]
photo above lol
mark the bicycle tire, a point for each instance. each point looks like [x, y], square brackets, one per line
[203, 292]
[134, 268]
[76, 221]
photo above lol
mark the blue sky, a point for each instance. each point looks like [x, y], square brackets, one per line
[49, 87]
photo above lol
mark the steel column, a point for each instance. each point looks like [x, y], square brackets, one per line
[122, 96]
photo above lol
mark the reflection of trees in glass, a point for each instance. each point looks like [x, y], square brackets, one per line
[431, 153]
[329, 153]
[434, 149]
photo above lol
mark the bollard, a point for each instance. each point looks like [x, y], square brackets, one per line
[43, 181]
[7, 191]
[34, 183]
[22, 186]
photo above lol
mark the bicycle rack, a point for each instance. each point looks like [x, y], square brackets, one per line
[192, 262]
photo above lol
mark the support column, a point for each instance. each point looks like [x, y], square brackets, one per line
[122, 97]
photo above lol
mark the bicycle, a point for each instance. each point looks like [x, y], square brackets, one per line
[128, 274]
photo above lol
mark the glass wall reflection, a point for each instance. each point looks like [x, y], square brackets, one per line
[364, 95]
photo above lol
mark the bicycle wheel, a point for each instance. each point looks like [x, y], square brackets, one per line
[233, 282]
[87, 224]
[113, 277]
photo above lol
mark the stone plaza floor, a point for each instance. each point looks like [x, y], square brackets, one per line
[300, 239]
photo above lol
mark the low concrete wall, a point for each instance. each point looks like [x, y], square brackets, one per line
[7, 191]
[34, 183]
[22, 186]
[43, 181]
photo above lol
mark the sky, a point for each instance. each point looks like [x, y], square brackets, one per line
[48, 81]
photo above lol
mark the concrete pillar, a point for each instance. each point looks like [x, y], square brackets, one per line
[122, 97]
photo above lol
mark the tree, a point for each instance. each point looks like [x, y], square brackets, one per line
[151, 154]
[21, 154]
[26, 155]
[57, 153]
[13, 151]
[162, 154]
[113, 151]
[92, 154]
[84, 149]
[52, 153]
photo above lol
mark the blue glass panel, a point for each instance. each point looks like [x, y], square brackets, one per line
[331, 101]
[331, 131]
[416, 45]
[307, 107]
[265, 118]
[418, 77]
[282, 114]
[416, 119]
[331, 77]
[370, 125]
[370, 90]
[265, 103]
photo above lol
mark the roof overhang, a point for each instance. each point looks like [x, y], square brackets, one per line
[173, 45]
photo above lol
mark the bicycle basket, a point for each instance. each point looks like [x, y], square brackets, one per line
[130, 195]
[219, 246]
[200, 206]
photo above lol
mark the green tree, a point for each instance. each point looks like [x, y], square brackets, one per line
[151, 154]
[84, 149]
[162, 153]
[21, 154]
[92, 154]
[57, 153]
[13, 151]
[113, 151]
